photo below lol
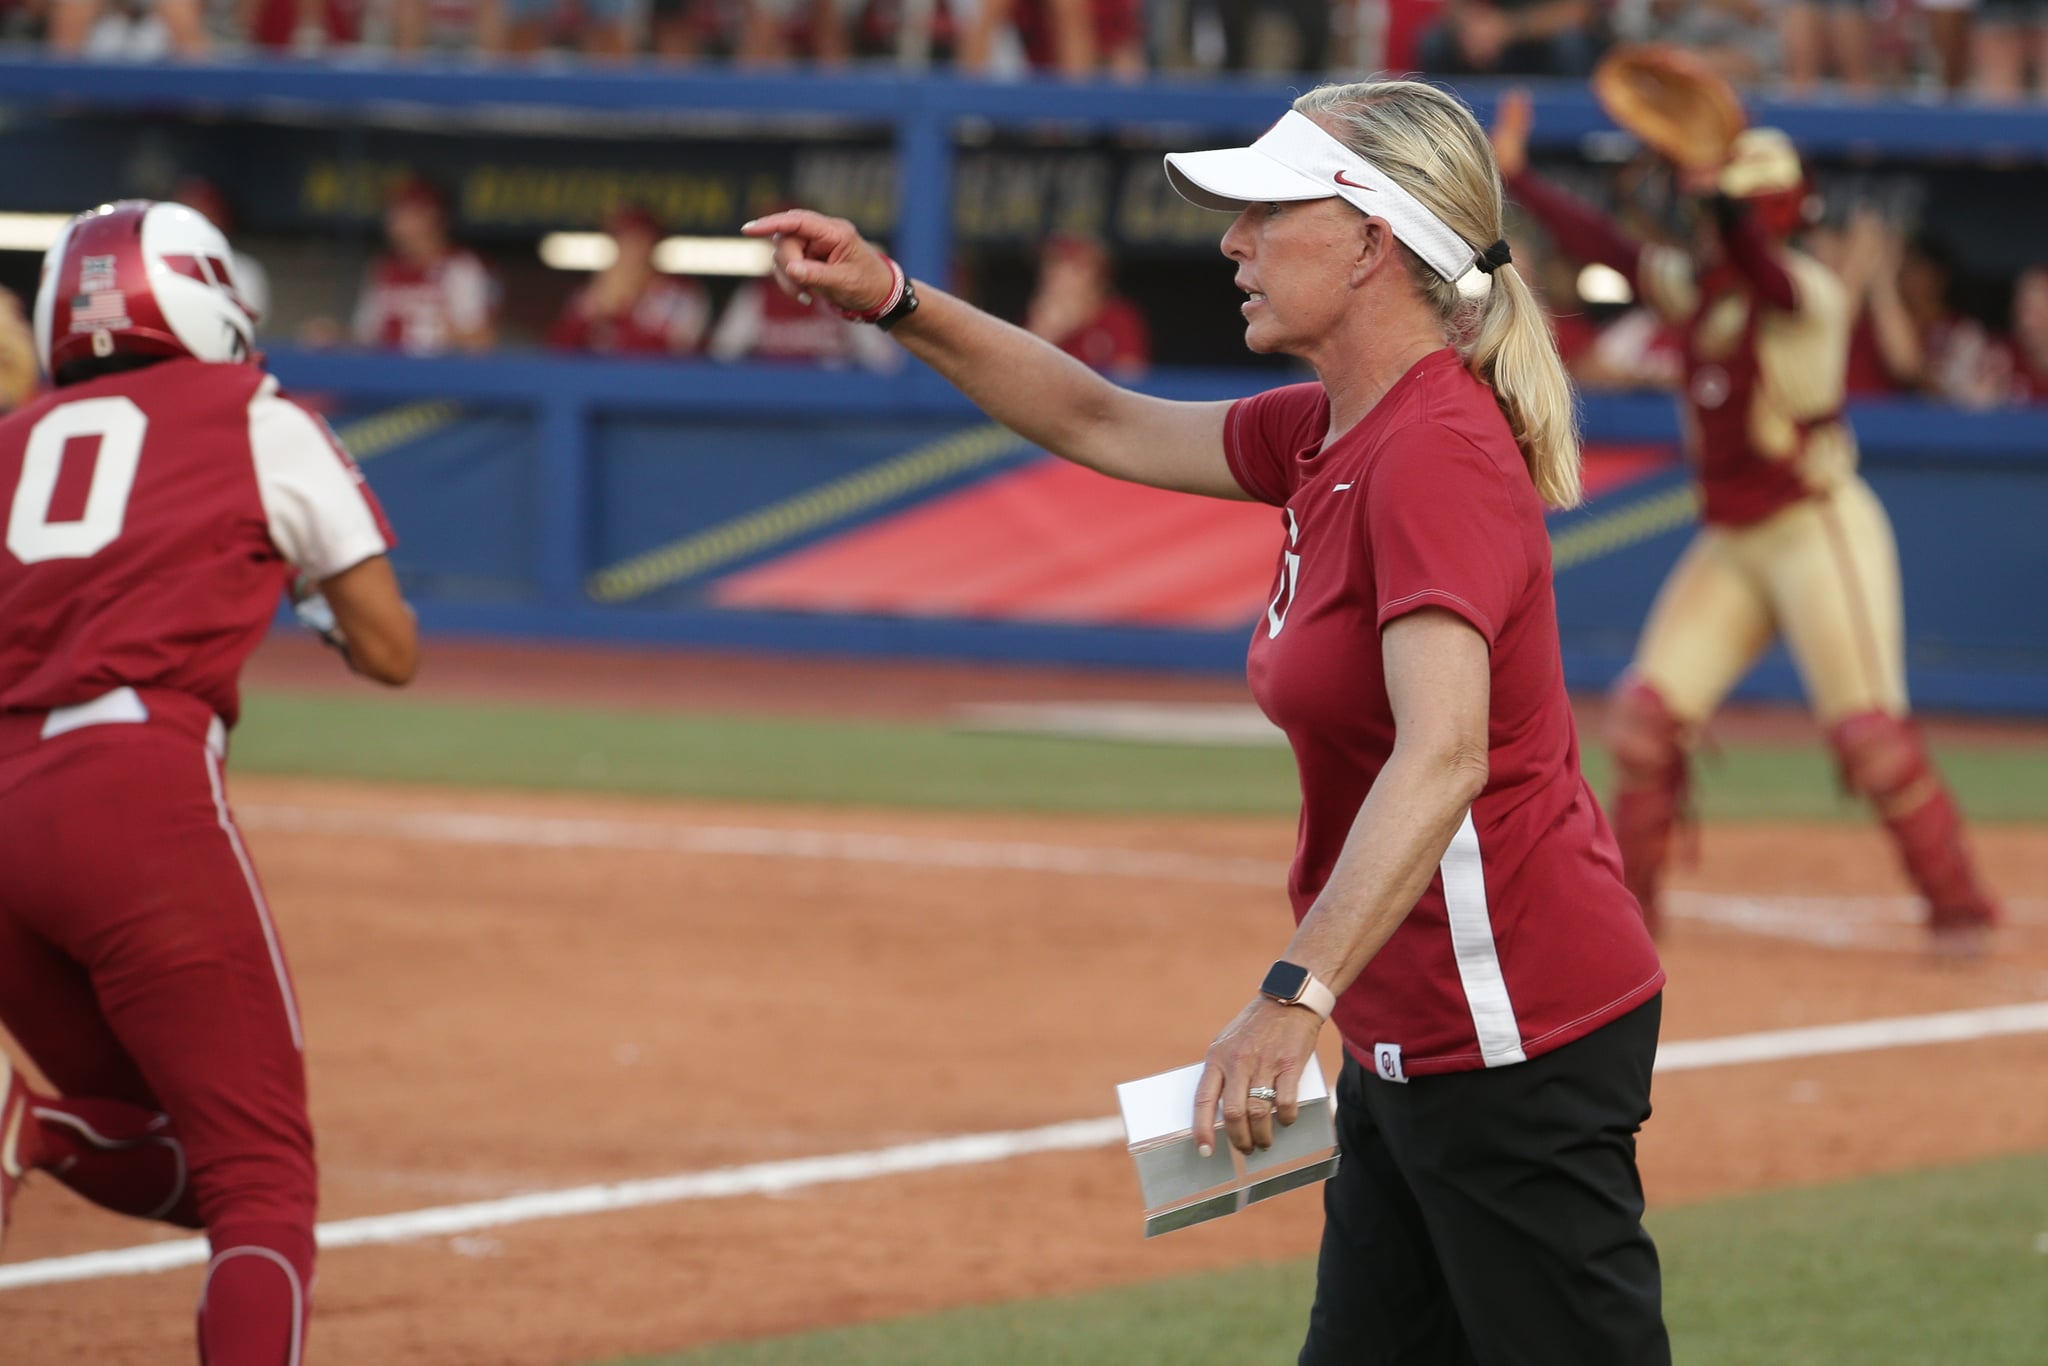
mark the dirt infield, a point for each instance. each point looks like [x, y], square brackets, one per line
[512, 993]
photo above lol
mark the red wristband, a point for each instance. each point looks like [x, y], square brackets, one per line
[897, 284]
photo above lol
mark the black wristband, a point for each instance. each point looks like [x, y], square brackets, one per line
[905, 306]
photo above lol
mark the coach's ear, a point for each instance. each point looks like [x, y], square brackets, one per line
[379, 634]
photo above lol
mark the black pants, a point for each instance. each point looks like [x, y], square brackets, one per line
[1494, 1218]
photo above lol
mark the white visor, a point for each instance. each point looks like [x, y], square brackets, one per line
[1297, 160]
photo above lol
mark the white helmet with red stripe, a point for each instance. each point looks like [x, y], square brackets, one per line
[139, 278]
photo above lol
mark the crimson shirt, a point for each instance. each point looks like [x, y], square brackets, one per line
[422, 309]
[1114, 339]
[669, 318]
[153, 520]
[1526, 939]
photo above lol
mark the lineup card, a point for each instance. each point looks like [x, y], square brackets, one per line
[1181, 1187]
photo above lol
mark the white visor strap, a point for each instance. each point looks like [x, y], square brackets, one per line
[1298, 160]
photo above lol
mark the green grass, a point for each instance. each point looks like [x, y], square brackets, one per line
[870, 763]
[1939, 1268]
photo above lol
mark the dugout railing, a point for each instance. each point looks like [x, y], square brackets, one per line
[1980, 639]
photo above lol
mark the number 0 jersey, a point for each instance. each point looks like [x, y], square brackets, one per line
[153, 520]
[1526, 938]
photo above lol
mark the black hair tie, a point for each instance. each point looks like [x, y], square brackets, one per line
[1495, 256]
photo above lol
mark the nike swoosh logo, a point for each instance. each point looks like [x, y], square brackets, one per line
[1343, 179]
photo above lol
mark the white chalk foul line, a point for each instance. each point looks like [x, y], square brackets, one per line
[724, 1183]
[968, 1150]
[556, 832]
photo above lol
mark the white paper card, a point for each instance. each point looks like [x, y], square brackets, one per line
[1181, 1187]
[1160, 1106]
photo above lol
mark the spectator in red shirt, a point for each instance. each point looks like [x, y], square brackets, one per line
[1884, 341]
[1957, 357]
[425, 295]
[1459, 910]
[2030, 335]
[630, 307]
[1513, 38]
[763, 323]
[1077, 309]
[1072, 37]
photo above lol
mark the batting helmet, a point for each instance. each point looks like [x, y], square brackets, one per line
[140, 278]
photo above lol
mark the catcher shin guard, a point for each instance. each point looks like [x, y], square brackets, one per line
[1651, 780]
[1882, 758]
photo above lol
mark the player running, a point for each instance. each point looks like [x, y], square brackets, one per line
[158, 501]
[1795, 543]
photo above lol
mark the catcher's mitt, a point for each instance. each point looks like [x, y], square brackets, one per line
[1679, 106]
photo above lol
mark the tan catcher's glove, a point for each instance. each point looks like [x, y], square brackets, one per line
[1680, 107]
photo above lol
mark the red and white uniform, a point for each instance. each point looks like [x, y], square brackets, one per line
[1114, 340]
[669, 318]
[421, 310]
[1526, 939]
[153, 520]
[760, 322]
[156, 518]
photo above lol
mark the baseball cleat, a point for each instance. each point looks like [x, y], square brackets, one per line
[1962, 931]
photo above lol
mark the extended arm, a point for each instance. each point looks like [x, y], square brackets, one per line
[1026, 384]
[1580, 230]
[1439, 682]
[1752, 254]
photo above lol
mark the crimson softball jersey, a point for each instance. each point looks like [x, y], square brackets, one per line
[154, 519]
[1526, 939]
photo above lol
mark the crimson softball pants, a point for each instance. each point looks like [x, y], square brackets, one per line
[1494, 1217]
[139, 968]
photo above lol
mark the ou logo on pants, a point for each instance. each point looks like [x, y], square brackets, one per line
[1290, 579]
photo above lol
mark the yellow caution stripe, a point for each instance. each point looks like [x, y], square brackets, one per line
[1629, 524]
[369, 437]
[793, 517]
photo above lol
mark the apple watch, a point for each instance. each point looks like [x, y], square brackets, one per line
[1291, 984]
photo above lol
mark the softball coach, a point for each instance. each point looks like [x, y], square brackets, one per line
[1458, 895]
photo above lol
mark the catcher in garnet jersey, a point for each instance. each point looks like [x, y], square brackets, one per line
[1795, 543]
[158, 501]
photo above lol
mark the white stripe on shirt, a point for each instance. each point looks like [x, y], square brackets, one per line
[1486, 990]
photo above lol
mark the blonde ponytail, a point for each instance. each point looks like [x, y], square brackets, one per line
[1515, 352]
[1431, 146]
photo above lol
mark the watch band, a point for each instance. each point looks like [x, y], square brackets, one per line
[905, 306]
[1317, 997]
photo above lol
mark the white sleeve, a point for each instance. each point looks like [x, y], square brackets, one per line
[320, 514]
[739, 328]
[466, 286]
[369, 319]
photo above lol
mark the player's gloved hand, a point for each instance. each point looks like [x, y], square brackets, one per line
[313, 613]
[820, 257]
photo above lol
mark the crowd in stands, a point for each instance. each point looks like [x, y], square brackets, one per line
[1990, 48]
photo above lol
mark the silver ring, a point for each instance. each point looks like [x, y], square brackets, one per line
[1263, 1093]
